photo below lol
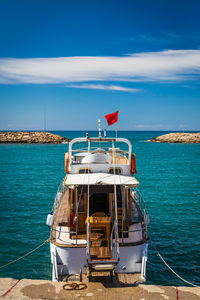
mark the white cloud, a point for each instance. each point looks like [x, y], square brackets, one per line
[103, 87]
[169, 65]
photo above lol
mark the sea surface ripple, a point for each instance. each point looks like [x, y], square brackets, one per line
[169, 176]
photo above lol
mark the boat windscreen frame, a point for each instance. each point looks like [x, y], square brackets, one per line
[88, 139]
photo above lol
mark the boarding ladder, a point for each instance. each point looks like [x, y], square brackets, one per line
[104, 261]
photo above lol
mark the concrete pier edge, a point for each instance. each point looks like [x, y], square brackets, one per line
[25, 289]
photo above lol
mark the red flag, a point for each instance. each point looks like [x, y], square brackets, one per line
[112, 118]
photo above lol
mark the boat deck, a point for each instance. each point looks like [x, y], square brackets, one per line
[61, 215]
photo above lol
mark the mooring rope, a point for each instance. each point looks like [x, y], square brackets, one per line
[192, 284]
[28, 253]
[74, 286]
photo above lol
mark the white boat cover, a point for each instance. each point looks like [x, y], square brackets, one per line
[100, 178]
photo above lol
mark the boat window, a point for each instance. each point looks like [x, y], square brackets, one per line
[116, 170]
[84, 171]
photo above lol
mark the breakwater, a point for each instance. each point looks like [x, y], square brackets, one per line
[31, 137]
[178, 137]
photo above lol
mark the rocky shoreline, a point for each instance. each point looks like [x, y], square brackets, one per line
[31, 137]
[178, 137]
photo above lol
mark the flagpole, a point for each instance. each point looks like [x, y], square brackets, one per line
[116, 128]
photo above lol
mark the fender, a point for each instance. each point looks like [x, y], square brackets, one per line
[67, 162]
[133, 164]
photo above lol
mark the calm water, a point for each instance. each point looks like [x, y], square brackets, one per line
[169, 176]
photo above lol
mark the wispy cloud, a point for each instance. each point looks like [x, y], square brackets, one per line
[103, 87]
[152, 39]
[153, 126]
[11, 125]
[166, 39]
[163, 66]
[182, 126]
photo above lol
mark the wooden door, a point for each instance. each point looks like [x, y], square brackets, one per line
[82, 212]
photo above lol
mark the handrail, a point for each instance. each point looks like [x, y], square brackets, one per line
[126, 231]
[116, 240]
[95, 148]
[140, 200]
[63, 231]
[66, 242]
[111, 237]
[88, 238]
[115, 248]
[141, 203]
[55, 268]
[80, 140]
[144, 260]
[60, 191]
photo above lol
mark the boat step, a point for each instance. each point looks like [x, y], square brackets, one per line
[103, 261]
[103, 267]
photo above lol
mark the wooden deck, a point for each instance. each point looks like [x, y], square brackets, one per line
[100, 252]
[119, 279]
[62, 212]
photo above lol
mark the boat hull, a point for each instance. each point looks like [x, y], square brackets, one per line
[71, 260]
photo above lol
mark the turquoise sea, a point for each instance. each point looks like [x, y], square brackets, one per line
[169, 176]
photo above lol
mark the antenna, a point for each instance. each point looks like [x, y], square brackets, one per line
[99, 128]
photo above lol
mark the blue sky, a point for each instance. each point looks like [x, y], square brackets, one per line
[77, 61]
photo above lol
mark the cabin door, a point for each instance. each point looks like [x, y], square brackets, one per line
[82, 212]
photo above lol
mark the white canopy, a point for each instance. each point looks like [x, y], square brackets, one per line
[100, 178]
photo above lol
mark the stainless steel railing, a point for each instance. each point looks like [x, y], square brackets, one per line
[114, 248]
[52, 237]
[58, 196]
[137, 196]
[88, 238]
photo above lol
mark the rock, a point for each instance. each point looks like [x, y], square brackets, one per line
[178, 137]
[31, 137]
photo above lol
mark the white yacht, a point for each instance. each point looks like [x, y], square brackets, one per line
[99, 221]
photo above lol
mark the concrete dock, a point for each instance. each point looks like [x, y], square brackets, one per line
[42, 289]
